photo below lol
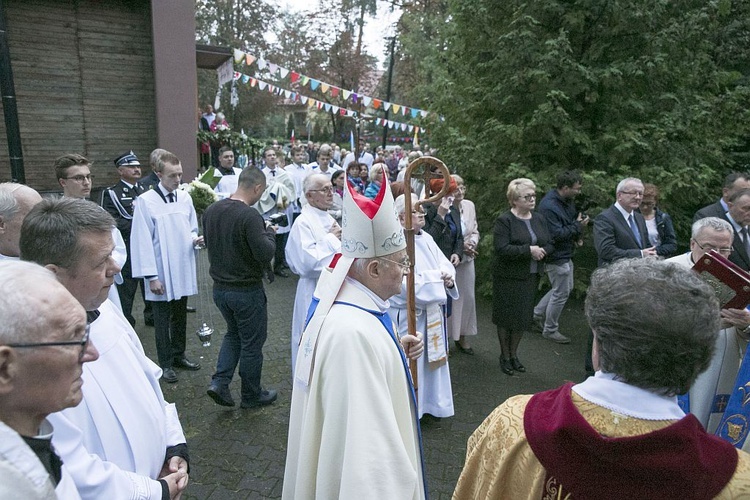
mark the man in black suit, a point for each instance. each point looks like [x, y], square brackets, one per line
[619, 231]
[118, 201]
[152, 180]
[732, 183]
[738, 216]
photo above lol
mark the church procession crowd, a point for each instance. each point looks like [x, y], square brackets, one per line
[662, 413]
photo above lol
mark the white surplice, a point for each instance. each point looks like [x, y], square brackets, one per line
[435, 395]
[114, 442]
[279, 185]
[352, 431]
[227, 183]
[721, 374]
[310, 249]
[120, 256]
[161, 243]
[22, 474]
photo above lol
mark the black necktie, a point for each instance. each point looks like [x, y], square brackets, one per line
[273, 173]
[171, 197]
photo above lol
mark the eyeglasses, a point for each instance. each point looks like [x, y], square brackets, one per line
[418, 212]
[529, 197]
[706, 247]
[632, 193]
[83, 343]
[326, 190]
[404, 264]
[81, 178]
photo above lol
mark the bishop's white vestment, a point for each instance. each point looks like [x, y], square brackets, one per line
[353, 431]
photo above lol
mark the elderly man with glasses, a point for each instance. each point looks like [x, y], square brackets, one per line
[315, 238]
[43, 345]
[123, 440]
[709, 396]
[620, 231]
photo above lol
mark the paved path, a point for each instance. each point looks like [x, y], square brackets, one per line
[239, 454]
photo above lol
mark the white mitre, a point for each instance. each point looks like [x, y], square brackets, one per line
[369, 228]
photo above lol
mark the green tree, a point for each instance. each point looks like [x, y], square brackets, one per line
[236, 24]
[615, 88]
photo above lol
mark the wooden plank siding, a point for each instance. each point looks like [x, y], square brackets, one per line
[84, 81]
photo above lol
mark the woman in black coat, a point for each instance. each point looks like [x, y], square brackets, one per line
[521, 244]
[443, 223]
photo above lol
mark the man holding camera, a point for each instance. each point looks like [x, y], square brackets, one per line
[315, 238]
[565, 225]
[240, 247]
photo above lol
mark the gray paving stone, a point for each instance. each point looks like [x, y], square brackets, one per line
[239, 454]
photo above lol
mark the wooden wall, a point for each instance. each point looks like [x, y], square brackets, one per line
[84, 80]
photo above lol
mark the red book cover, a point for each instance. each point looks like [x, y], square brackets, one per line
[730, 282]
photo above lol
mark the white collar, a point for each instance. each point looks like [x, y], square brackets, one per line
[165, 192]
[382, 305]
[736, 226]
[602, 389]
[624, 212]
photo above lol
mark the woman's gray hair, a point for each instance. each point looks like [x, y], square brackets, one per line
[515, 186]
[718, 225]
[655, 323]
[399, 204]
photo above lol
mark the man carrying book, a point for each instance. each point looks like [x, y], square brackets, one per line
[709, 396]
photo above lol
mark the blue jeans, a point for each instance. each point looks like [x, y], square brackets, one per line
[552, 304]
[245, 312]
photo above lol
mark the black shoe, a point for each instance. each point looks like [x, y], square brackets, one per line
[220, 395]
[266, 398]
[517, 366]
[186, 364]
[281, 273]
[190, 309]
[506, 366]
[465, 350]
[169, 376]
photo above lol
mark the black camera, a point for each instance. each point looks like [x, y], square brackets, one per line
[279, 219]
[584, 204]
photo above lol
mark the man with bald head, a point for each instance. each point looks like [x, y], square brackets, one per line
[15, 202]
[313, 241]
[44, 341]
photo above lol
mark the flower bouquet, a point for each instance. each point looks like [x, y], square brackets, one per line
[202, 195]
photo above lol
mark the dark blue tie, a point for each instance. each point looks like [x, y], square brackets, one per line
[634, 228]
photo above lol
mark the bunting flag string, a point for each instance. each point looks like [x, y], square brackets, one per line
[320, 105]
[275, 70]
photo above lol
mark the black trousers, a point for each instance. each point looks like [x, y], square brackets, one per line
[127, 291]
[279, 259]
[170, 325]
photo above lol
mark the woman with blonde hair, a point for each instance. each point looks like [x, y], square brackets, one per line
[521, 243]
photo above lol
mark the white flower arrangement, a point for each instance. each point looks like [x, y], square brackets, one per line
[201, 193]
